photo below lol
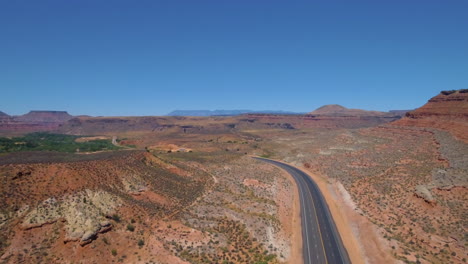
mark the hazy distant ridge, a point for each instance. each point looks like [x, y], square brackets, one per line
[225, 112]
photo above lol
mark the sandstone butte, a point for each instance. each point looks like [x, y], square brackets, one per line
[447, 111]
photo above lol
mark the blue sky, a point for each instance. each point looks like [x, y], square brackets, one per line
[151, 57]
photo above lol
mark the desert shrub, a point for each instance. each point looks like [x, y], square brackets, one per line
[141, 243]
[114, 252]
[116, 218]
[464, 91]
[130, 227]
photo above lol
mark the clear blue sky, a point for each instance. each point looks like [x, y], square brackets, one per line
[140, 57]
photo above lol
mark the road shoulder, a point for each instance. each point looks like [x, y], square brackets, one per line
[295, 220]
[340, 217]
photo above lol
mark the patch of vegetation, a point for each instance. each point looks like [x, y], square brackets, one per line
[43, 141]
[141, 243]
[202, 157]
[241, 247]
[130, 227]
[116, 218]
[448, 92]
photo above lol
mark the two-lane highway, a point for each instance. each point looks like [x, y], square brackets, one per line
[321, 241]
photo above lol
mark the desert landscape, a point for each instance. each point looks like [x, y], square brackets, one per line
[176, 189]
[233, 132]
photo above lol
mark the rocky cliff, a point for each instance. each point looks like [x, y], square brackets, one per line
[447, 111]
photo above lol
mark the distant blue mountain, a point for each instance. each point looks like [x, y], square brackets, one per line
[227, 112]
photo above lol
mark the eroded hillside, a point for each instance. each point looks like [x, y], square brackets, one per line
[142, 207]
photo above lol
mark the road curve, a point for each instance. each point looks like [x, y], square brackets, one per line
[321, 241]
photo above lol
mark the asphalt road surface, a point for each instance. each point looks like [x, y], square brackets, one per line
[321, 241]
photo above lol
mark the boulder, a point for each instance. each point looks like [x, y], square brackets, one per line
[423, 192]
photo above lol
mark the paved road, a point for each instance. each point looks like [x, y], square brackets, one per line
[321, 241]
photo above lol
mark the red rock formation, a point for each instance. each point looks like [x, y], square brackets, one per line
[447, 111]
[45, 117]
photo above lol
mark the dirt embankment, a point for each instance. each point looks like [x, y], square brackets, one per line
[135, 207]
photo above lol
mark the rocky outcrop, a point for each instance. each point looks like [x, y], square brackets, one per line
[423, 192]
[83, 214]
[447, 111]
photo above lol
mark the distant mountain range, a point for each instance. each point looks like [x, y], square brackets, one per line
[227, 112]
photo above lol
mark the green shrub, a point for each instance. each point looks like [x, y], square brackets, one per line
[116, 218]
[448, 92]
[130, 227]
[141, 243]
